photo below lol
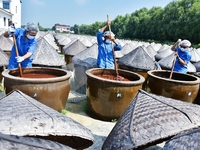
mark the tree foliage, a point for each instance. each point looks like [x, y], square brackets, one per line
[178, 19]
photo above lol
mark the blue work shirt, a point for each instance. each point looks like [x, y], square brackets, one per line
[105, 54]
[186, 57]
[23, 46]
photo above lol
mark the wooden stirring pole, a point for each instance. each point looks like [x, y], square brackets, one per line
[17, 54]
[175, 56]
[115, 63]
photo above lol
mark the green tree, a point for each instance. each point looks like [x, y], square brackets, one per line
[75, 28]
[40, 27]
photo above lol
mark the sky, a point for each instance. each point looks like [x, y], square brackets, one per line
[70, 12]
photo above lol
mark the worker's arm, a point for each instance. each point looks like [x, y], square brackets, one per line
[104, 27]
[174, 46]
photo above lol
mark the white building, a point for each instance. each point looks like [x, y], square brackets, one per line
[10, 10]
[62, 28]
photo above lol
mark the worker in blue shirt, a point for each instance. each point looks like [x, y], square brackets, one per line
[183, 55]
[26, 43]
[105, 57]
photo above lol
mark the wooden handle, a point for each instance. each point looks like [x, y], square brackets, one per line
[17, 54]
[115, 63]
[173, 67]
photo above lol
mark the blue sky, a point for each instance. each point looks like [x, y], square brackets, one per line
[71, 12]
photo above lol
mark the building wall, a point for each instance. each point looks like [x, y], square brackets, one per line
[14, 13]
[4, 16]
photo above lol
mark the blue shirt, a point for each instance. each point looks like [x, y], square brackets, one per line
[105, 54]
[24, 46]
[186, 57]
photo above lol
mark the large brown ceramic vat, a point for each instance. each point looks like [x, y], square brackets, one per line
[139, 71]
[109, 98]
[181, 86]
[68, 59]
[52, 91]
[1, 70]
[197, 100]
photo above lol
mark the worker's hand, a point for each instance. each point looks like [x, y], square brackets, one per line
[178, 41]
[11, 30]
[112, 38]
[19, 59]
[108, 22]
[176, 54]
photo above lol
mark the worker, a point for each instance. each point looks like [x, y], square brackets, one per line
[26, 44]
[105, 58]
[183, 55]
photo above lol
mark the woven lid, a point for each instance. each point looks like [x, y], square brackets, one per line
[48, 37]
[197, 66]
[156, 46]
[166, 63]
[6, 43]
[135, 59]
[46, 55]
[151, 51]
[11, 142]
[74, 47]
[3, 58]
[59, 36]
[86, 42]
[128, 47]
[24, 116]
[185, 141]
[64, 41]
[151, 119]
[87, 53]
[163, 54]
[195, 55]
[163, 47]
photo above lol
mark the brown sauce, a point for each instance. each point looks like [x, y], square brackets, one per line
[112, 77]
[38, 76]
